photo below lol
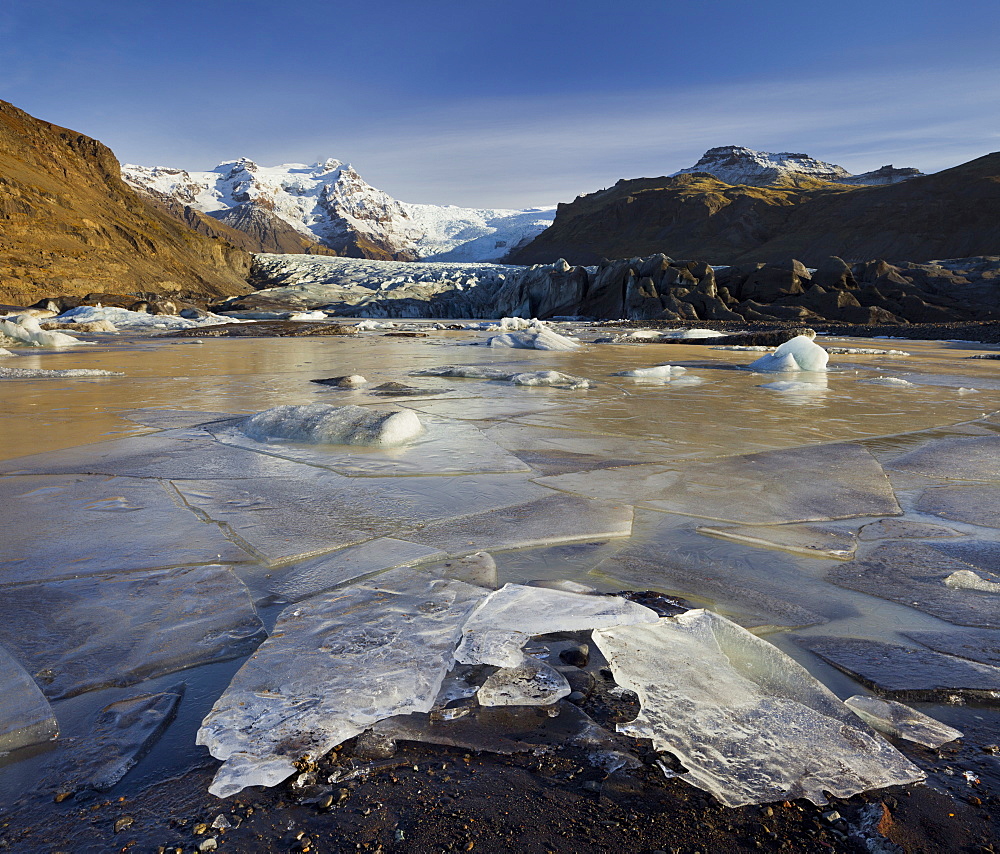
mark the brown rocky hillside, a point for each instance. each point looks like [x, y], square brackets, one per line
[70, 225]
[951, 214]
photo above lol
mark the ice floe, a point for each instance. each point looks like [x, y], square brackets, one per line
[974, 505]
[320, 423]
[334, 665]
[657, 372]
[800, 353]
[25, 329]
[25, 715]
[972, 458]
[892, 382]
[901, 721]
[549, 378]
[749, 724]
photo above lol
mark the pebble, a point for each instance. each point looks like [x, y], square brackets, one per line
[124, 823]
[832, 816]
[209, 844]
[577, 655]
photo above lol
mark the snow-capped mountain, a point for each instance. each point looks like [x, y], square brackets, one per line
[737, 165]
[331, 203]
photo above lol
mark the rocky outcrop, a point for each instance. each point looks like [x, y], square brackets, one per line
[950, 214]
[69, 225]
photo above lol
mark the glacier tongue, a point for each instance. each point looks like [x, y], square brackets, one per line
[334, 665]
[749, 723]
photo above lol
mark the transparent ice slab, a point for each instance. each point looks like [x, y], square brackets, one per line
[973, 458]
[317, 511]
[532, 683]
[82, 634]
[905, 673]
[104, 525]
[913, 574]
[809, 484]
[545, 521]
[330, 570]
[121, 734]
[167, 419]
[519, 439]
[333, 666]
[901, 721]
[447, 446]
[748, 723]
[509, 617]
[982, 645]
[974, 505]
[904, 529]
[25, 715]
[813, 540]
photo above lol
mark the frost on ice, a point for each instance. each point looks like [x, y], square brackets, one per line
[25, 715]
[320, 423]
[504, 622]
[748, 723]
[335, 665]
[901, 721]
[800, 353]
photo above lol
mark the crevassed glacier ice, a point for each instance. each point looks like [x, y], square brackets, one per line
[532, 683]
[800, 353]
[320, 423]
[506, 619]
[25, 715]
[901, 721]
[333, 666]
[748, 722]
[27, 330]
[535, 337]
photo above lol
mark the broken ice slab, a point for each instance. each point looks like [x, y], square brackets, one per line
[532, 683]
[812, 540]
[120, 735]
[901, 721]
[903, 529]
[905, 673]
[181, 454]
[447, 446]
[472, 372]
[323, 424]
[507, 618]
[519, 439]
[477, 568]
[980, 645]
[562, 462]
[982, 555]
[913, 574]
[748, 722]
[330, 570]
[974, 458]
[105, 525]
[810, 484]
[82, 634]
[283, 519]
[545, 521]
[25, 715]
[166, 419]
[334, 665]
[974, 505]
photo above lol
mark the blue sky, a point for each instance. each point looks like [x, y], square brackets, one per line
[514, 103]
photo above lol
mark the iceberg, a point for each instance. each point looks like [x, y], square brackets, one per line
[25, 329]
[534, 337]
[800, 353]
[549, 378]
[664, 372]
[320, 423]
[335, 665]
[901, 721]
[748, 723]
[507, 618]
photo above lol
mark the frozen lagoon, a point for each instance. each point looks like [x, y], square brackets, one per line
[118, 491]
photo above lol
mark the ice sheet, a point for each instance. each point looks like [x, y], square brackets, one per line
[87, 633]
[913, 574]
[283, 519]
[813, 540]
[901, 721]
[310, 577]
[813, 483]
[748, 723]
[547, 520]
[447, 446]
[25, 715]
[121, 734]
[909, 674]
[974, 505]
[973, 458]
[506, 619]
[104, 525]
[322, 424]
[982, 645]
[532, 683]
[333, 666]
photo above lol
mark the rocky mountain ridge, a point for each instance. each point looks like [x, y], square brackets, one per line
[330, 204]
[734, 164]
